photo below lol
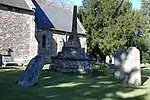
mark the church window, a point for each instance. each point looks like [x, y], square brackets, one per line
[43, 41]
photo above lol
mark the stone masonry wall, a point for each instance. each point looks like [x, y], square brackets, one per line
[17, 32]
[54, 42]
[45, 43]
[59, 39]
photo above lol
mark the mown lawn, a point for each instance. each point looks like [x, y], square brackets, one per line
[58, 86]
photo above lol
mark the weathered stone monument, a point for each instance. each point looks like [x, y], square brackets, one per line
[30, 75]
[72, 58]
[109, 59]
[128, 66]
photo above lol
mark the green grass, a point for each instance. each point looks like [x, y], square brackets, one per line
[58, 86]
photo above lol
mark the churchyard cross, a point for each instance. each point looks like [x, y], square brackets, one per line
[74, 21]
[73, 40]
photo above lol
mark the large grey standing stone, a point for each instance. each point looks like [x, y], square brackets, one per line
[32, 71]
[128, 64]
[131, 66]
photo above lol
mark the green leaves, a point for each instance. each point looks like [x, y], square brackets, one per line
[107, 29]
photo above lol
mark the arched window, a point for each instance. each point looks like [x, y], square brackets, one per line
[43, 41]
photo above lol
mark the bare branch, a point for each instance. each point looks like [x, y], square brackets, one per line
[118, 7]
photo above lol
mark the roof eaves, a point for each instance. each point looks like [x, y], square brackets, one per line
[53, 29]
[30, 10]
[30, 4]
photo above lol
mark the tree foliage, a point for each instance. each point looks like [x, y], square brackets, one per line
[146, 30]
[110, 24]
[146, 12]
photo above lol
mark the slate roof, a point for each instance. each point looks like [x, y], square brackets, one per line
[49, 17]
[22, 4]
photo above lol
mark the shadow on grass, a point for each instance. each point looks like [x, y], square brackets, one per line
[144, 79]
[85, 87]
[58, 86]
[145, 74]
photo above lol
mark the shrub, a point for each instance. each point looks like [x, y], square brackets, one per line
[145, 57]
[100, 69]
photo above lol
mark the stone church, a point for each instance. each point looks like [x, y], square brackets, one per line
[31, 27]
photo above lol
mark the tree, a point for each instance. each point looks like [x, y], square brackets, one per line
[146, 7]
[110, 25]
[146, 12]
[146, 17]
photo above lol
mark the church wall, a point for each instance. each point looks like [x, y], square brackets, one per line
[61, 37]
[54, 41]
[46, 44]
[17, 32]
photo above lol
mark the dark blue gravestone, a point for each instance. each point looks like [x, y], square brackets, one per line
[32, 72]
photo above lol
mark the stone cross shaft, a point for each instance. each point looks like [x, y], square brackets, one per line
[73, 40]
[74, 21]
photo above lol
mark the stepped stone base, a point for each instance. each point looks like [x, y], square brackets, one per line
[71, 66]
[71, 60]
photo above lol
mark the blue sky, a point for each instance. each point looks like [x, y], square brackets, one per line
[136, 3]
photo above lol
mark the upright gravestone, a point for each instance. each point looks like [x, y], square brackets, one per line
[131, 67]
[112, 59]
[107, 59]
[32, 72]
[128, 64]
